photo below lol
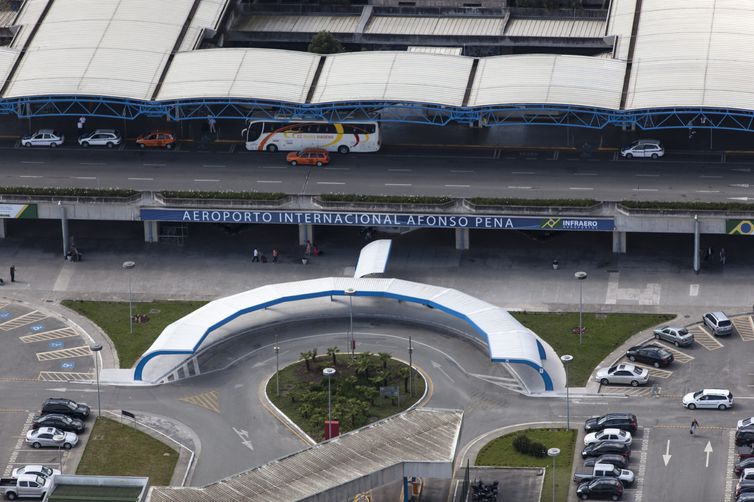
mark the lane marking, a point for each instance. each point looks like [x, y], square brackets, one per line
[93, 163]
[337, 169]
[457, 186]
[523, 172]
[400, 170]
[513, 187]
[28, 176]
[269, 181]
[708, 191]
[85, 177]
[642, 462]
[154, 165]
[32, 162]
[213, 165]
[274, 167]
[710, 176]
[462, 171]
[646, 189]
[647, 175]
[585, 174]
[397, 184]
[141, 179]
[331, 183]
[693, 289]
[580, 188]
[206, 180]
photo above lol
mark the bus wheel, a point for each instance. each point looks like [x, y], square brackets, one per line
[343, 149]
[272, 148]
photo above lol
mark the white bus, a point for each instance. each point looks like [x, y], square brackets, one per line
[274, 135]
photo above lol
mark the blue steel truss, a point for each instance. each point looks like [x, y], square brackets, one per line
[382, 111]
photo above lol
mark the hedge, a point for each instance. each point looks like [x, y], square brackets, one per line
[69, 192]
[702, 206]
[385, 199]
[491, 201]
[224, 195]
[526, 446]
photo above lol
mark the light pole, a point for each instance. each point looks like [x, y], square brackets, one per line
[553, 452]
[410, 368]
[277, 366]
[567, 359]
[96, 348]
[350, 292]
[329, 372]
[581, 276]
[128, 265]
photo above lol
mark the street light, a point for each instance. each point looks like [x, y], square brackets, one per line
[410, 367]
[350, 292]
[581, 276]
[553, 452]
[329, 372]
[96, 348]
[277, 366]
[128, 265]
[567, 359]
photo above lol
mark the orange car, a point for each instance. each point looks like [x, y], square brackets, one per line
[309, 157]
[157, 139]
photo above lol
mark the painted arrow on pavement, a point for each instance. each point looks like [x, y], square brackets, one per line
[666, 457]
[707, 450]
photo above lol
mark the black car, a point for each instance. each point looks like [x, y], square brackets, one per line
[600, 488]
[615, 459]
[742, 464]
[62, 422]
[746, 497]
[650, 354]
[64, 406]
[603, 447]
[745, 436]
[623, 421]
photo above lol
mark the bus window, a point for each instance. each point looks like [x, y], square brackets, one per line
[254, 131]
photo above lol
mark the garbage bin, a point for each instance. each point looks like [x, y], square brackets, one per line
[555, 264]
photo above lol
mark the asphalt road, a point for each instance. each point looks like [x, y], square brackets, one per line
[394, 171]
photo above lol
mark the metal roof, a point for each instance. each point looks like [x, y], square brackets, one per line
[451, 51]
[7, 58]
[555, 28]
[420, 442]
[620, 24]
[27, 18]
[301, 24]
[437, 26]
[373, 258]
[259, 73]
[207, 15]
[550, 79]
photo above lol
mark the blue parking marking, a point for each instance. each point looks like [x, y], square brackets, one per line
[38, 327]
[68, 365]
[4, 314]
[56, 345]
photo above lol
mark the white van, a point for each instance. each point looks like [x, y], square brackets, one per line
[722, 399]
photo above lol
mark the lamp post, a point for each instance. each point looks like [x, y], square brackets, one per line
[96, 348]
[410, 368]
[350, 292]
[581, 276]
[553, 452]
[277, 366]
[329, 372]
[567, 359]
[128, 265]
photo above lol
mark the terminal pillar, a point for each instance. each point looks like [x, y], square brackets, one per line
[619, 242]
[462, 239]
[697, 245]
[64, 228]
[2, 228]
[305, 233]
[151, 231]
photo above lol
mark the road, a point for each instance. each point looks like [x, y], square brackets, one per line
[395, 171]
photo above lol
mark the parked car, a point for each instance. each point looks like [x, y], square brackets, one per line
[157, 139]
[708, 398]
[605, 471]
[745, 482]
[745, 436]
[623, 421]
[64, 406]
[650, 354]
[680, 337]
[745, 497]
[616, 435]
[741, 464]
[627, 374]
[745, 422]
[309, 157]
[101, 137]
[49, 436]
[43, 137]
[25, 486]
[613, 447]
[62, 422]
[718, 323]
[600, 488]
[618, 461]
[643, 148]
[37, 470]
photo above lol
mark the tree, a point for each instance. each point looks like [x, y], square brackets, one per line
[404, 373]
[384, 357]
[306, 410]
[324, 43]
[332, 351]
[362, 364]
[306, 356]
[369, 393]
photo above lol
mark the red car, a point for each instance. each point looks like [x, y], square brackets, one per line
[157, 139]
[309, 157]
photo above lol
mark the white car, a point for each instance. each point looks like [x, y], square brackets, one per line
[722, 399]
[608, 435]
[43, 137]
[38, 470]
[623, 373]
[50, 436]
[745, 422]
[643, 148]
[101, 137]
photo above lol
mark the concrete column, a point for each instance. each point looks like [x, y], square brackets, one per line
[305, 233]
[462, 239]
[619, 242]
[697, 244]
[151, 231]
[64, 228]
[2, 228]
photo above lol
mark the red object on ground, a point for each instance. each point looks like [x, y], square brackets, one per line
[333, 426]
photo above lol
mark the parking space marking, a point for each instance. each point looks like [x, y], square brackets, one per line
[744, 327]
[730, 480]
[23, 320]
[54, 334]
[678, 356]
[51, 355]
[628, 391]
[655, 372]
[704, 337]
[65, 376]
[19, 445]
[209, 400]
[642, 462]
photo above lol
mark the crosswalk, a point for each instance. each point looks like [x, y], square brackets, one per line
[704, 337]
[209, 400]
[65, 376]
[744, 327]
[23, 320]
[49, 335]
[51, 355]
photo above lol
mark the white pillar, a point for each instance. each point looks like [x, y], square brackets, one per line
[305, 233]
[151, 231]
[619, 242]
[462, 239]
[64, 228]
[697, 244]
[2, 228]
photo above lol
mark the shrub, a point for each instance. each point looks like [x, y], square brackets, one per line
[702, 206]
[525, 446]
[272, 196]
[494, 201]
[68, 192]
[385, 199]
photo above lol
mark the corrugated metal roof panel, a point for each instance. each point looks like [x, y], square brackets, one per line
[446, 26]
[557, 28]
[302, 24]
[207, 15]
[620, 24]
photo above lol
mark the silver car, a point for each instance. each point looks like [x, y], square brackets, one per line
[52, 437]
[43, 137]
[37, 470]
[627, 374]
[643, 148]
[680, 337]
[718, 323]
[101, 137]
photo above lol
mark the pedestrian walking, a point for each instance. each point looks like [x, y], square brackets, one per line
[308, 249]
[255, 255]
[709, 253]
[694, 426]
[12, 273]
[274, 255]
[211, 121]
[80, 123]
[723, 256]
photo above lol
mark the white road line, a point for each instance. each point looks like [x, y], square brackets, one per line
[400, 170]
[710, 176]
[585, 174]
[643, 462]
[269, 181]
[331, 183]
[337, 169]
[207, 180]
[465, 171]
[523, 172]
[85, 177]
[92, 163]
[32, 162]
[154, 165]
[729, 479]
[457, 186]
[274, 167]
[693, 289]
[213, 165]
[646, 189]
[397, 184]
[580, 188]
[708, 191]
[513, 187]
[647, 175]
[28, 176]
[141, 179]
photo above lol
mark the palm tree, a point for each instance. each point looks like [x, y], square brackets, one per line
[331, 351]
[362, 364]
[384, 357]
[306, 410]
[404, 373]
[306, 356]
[369, 393]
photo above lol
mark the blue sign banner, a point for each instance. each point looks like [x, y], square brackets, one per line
[380, 219]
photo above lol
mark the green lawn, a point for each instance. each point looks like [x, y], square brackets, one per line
[500, 452]
[114, 449]
[112, 317]
[354, 392]
[604, 333]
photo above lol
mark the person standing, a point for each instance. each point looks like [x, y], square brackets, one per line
[81, 122]
[694, 426]
[274, 255]
[12, 273]
[723, 256]
[308, 249]
[255, 255]
[211, 121]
